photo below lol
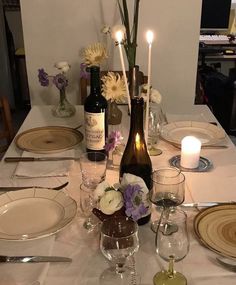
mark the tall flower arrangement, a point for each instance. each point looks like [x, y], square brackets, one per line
[130, 42]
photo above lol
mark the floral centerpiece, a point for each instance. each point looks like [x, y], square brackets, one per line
[64, 108]
[128, 199]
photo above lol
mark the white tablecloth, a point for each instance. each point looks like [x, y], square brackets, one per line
[73, 241]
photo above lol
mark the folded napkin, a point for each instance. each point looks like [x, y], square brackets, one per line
[45, 168]
[25, 274]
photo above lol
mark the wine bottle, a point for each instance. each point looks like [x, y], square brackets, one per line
[95, 116]
[135, 159]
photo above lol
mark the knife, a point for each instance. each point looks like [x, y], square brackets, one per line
[205, 204]
[28, 159]
[33, 259]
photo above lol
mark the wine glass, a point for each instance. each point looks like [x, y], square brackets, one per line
[168, 191]
[172, 247]
[156, 121]
[93, 167]
[119, 240]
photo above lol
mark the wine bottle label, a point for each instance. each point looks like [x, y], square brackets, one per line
[95, 130]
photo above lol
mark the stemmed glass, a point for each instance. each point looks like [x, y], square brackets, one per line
[172, 247]
[93, 172]
[119, 240]
[156, 121]
[168, 191]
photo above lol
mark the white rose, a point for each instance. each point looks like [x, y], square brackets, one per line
[117, 28]
[155, 96]
[62, 66]
[111, 202]
[100, 190]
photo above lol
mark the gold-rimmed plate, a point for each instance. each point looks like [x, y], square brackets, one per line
[207, 133]
[215, 228]
[50, 139]
[34, 213]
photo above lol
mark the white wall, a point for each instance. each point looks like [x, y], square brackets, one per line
[57, 30]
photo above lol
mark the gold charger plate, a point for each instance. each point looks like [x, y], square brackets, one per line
[215, 228]
[48, 139]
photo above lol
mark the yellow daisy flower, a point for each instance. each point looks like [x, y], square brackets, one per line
[113, 87]
[94, 54]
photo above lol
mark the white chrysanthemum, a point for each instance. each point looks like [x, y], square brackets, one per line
[63, 66]
[117, 28]
[94, 54]
[111, 202]
[155, 96]
[105, 29]
[113, 87]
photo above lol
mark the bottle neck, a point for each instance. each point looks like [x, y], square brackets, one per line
[136, 123]
[95, 87]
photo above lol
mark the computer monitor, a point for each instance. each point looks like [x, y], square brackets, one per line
[215, 15]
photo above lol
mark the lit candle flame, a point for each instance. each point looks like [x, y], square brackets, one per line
[149, 37]
[119, 36]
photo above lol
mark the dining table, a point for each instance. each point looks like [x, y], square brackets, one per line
[199, 266]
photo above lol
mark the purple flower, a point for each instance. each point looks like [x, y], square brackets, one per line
[60, 81]
[113, 140]
[43, 77]
[134, 206]
[83, 71]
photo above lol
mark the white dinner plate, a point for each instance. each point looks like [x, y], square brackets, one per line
[207, 133]
[34, 213]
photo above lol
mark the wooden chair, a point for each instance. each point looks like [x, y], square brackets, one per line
[6, 130]
[84, 83]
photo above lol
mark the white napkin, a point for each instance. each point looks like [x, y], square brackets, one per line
[45, 168]
[216, 185]
[25, 274]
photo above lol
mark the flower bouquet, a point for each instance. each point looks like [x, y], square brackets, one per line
[64, 108]
[129, 198]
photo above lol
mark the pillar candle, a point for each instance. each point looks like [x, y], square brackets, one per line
[190, 152]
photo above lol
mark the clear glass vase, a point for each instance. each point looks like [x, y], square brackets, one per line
[64, 108]
[114, 113]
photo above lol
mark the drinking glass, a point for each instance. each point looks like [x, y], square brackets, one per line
[119, 240]
[93, 172]
[168, 190]
[156, 121]
[172, 247]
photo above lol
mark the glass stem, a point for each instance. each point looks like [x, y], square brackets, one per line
[120, 268]
[170, 271]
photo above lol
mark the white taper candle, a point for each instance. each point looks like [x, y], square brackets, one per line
[119, 38]
[149, 36]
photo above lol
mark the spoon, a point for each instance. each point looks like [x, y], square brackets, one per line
[229, 263]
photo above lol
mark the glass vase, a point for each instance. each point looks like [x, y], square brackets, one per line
[64, 108]
[114, 113]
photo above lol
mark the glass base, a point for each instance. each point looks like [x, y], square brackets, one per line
[154, 151]
[164, 278]
[126, 277]
[63, 110]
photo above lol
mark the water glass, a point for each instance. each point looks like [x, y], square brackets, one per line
[93, 171]
[119, 240]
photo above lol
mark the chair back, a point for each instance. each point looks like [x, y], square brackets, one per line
[85, 83]
[6, 127]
